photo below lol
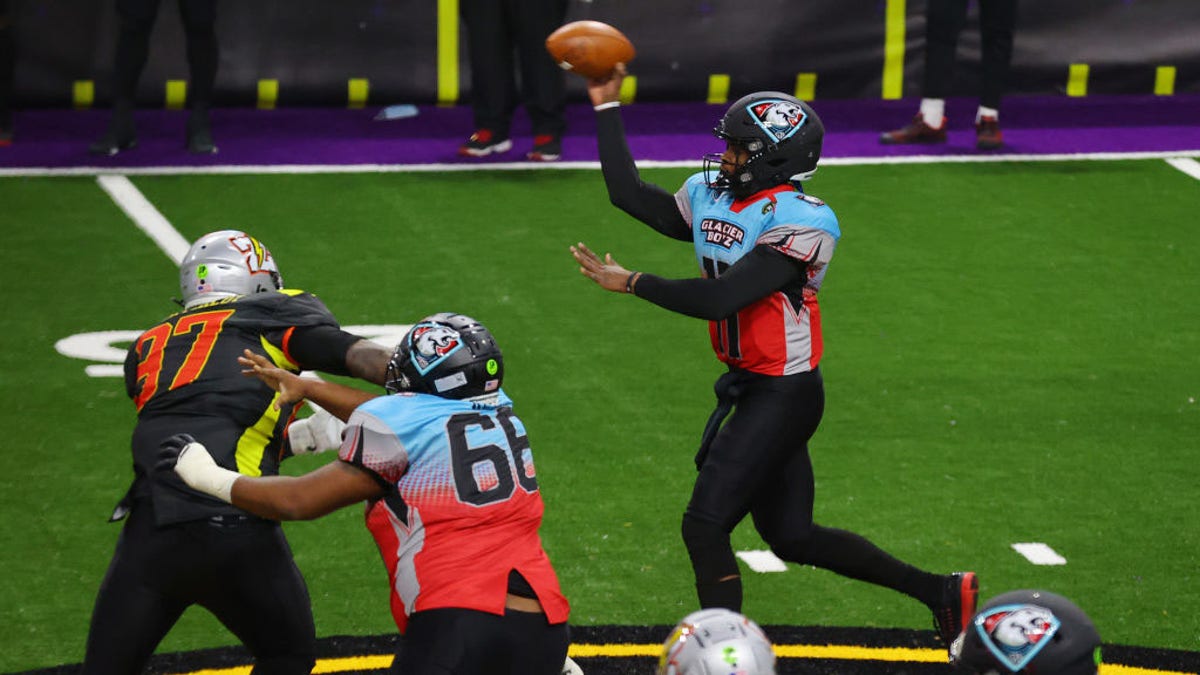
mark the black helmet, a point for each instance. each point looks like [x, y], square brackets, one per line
[449, 355]
[1029, 631]
[782, 134]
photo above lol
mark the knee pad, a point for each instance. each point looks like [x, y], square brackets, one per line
[709, 548]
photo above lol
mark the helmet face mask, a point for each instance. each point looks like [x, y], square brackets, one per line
[449, 355]
[781, 133]
[716, 642]
[226, 264]
[1029, 631]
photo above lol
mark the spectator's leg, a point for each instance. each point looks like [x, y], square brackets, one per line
[136, 18]
[997, 22]
[490, 48]
[543, 82]
[944, 20]
[8, 58]
[199, 24]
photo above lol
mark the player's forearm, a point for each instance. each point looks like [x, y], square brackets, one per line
[338, 399]
[278, 498]
[645, 201]
[368, 361]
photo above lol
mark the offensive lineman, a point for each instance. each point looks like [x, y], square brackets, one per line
[451, 497]
[763, 246]
[180, 547]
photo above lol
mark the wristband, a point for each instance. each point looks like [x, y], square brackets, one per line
[631, 281]
[606, 106]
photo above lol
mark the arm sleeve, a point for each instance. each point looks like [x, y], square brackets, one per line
[645, 201]
[760, 272]
[320, 348]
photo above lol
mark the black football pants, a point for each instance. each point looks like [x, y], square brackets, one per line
[241, 572]
[468, 642]
[758, 464]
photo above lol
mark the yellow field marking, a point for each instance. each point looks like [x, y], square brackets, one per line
[357, 91]
[176, 94]
[447, 52]
[1164, 81]
[835, 652]
[893, 50]
[83, 94]
[268, 94]
[806, 86]
[718, 88]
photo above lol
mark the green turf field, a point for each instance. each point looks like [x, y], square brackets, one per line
[1013, 355]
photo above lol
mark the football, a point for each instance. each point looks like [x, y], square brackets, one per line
[590, 48]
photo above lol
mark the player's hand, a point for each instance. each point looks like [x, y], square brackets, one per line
[290, 386]
[608, 89]
[170, 450]
[318, 432]
[607, 272]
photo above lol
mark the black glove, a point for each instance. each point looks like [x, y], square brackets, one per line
[169, 450]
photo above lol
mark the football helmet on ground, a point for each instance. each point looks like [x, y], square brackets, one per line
[1029, 631]
[449, 355]
[716, 642]
[782, 136]
[226, 264]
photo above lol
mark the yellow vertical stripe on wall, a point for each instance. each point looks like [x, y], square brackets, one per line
[806, 86]
[893, 50]
[268, 94]
[1077, 77]
[176, 94]
[1164, 81]
[718, 88]
[628, 89]
[447, 52]
[83, 94]
[357, 91]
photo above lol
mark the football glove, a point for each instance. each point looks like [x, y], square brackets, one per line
[318, 432]
[190, 459]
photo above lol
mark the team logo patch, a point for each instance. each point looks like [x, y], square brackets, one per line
[1015, 634]
[430, 343]
[721, 233]
[780, 119]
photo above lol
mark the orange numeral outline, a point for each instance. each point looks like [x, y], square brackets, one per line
[151, 366]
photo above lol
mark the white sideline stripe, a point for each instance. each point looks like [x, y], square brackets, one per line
[1189, 166]
[1039, 554]
[762, 561]
[544, 166]
[144, 215]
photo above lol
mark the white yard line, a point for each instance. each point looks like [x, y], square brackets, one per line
[1189, 166]
[144, 215]
[1039, 554]
[543, 166]
[762, 561]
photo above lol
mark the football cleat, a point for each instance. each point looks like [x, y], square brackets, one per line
[960, 593]
[546, 148]
[916, 131]
[484, 142]
[987, 134]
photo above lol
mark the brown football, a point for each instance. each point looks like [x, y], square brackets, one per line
[590, 48]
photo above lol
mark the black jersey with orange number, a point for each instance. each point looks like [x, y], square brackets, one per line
[183, 377]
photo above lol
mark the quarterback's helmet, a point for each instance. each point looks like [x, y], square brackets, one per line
[226, 264]
[781, 133]
[1029, 631]
[449, 355]
[716, 642]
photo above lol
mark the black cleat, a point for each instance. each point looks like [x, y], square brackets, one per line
[112, 143]
[199, 135]
[960, 593]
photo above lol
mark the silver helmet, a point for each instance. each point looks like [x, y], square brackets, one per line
[716, 642]
[226, 264]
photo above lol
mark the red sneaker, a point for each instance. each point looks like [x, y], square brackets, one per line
[916, 131]
[546, 148]
[987, 134]
[483, 143]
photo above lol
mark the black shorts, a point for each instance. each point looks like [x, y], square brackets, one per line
[469, 642]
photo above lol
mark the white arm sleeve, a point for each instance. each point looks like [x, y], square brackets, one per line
[197, 468]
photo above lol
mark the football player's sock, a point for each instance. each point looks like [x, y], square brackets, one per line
[933, 111]
[985, 111]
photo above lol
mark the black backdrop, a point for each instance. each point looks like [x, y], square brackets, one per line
[312, 47]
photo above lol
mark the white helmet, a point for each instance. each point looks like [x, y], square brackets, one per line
[717, 642]
[226, 264]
